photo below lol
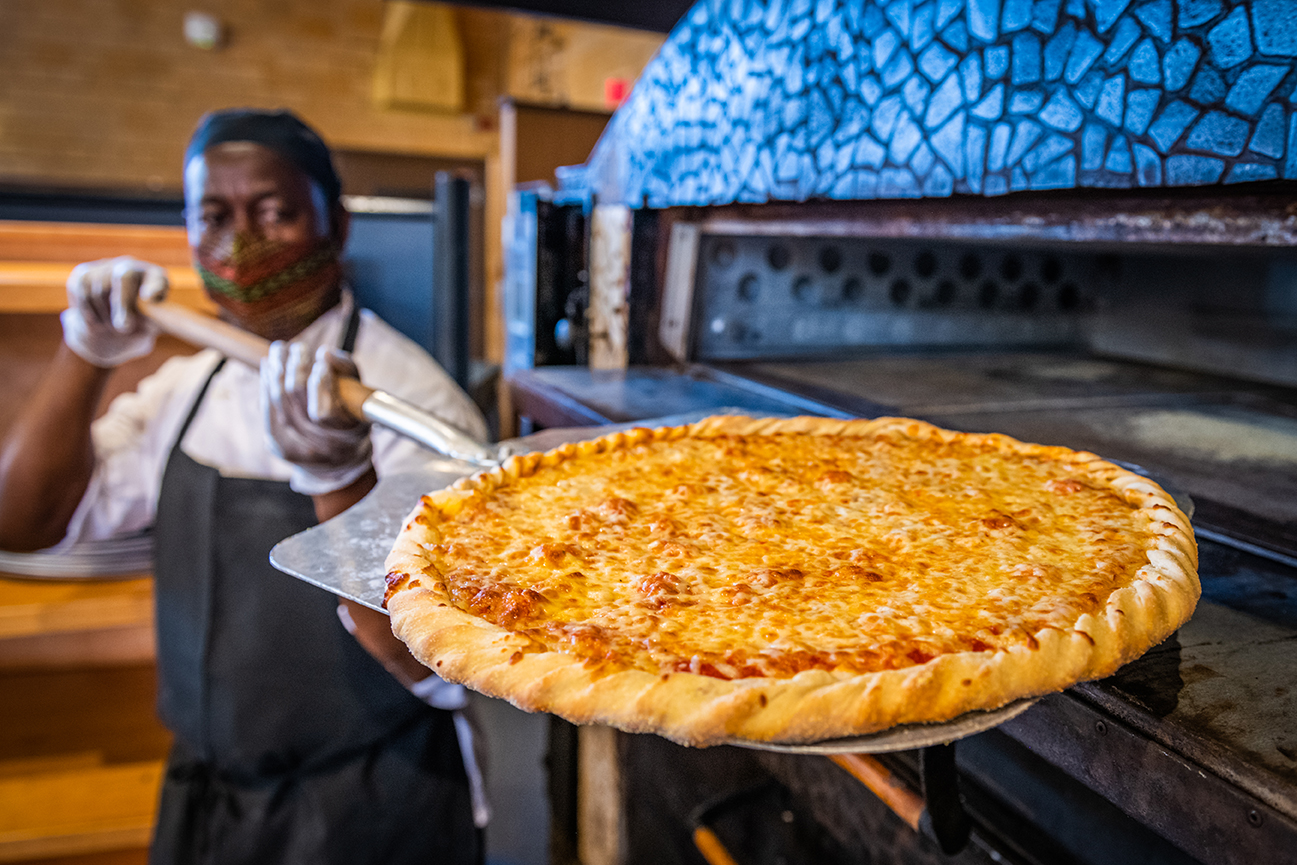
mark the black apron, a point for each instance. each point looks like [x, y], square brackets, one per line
[292, 744]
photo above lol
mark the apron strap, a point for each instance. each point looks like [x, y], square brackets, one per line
[198, 401]
[348, 341]
[347, 344]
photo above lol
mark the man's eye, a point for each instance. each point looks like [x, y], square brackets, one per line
[276, 215]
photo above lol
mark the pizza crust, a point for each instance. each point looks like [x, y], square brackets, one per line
[815, 704]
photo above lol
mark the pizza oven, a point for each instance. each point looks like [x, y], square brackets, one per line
[1071, 221]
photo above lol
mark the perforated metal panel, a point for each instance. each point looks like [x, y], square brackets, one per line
[779, 297]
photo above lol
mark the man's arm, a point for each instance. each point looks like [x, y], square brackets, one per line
[373, 630]
[46, 459]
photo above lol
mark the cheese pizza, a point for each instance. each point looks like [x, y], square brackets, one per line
[789, 580]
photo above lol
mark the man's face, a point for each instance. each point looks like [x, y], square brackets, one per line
[245, 188]
[263, 238]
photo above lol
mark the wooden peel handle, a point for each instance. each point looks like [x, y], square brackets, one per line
[204, 330]
[247, 348]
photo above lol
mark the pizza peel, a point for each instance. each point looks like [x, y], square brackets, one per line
[346, 556]
[362, 401]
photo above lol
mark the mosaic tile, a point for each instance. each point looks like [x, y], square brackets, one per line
[757, 100]
[1195, 12]
[1046, 153]
[898, 12]
[1088, 90]
[1208, 87]
[970, 76]
[1156, 18]
[974, 156]
[1111, 100]
[946, 10]
[1044, 17]
[997, 61]
[1057, 50]
[884, 46]
[935, 61]
[1144, 64]
[915, 92]
[1000, 136]
[1184, 170]
[1106, 12]
[869, 153]
[949, 143]
[945, 100]
[992, 106]
[1118, 160]
[1290, 166]
[1086, 49]
[1219, 133]
[1272, 22]
[1268, 138]
[1148, 168]
[1230, 41]
[921, 29]
[1026, 59]
[1093, 140]
[996, 185]
[1179, 63]
[897, 183]
[1140, 105]
[899, 69]
[1015, 15]
[939, 183]
[906, 138]
[1127, 32]
[1253, 87]
[956, 37]
[1169, 125]
[982, 19]
[1246, 172]
[1025, 133]
[922, 160]
[1061, 113]
[1026, 101]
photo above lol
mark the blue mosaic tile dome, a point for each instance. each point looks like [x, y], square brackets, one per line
[785, 100]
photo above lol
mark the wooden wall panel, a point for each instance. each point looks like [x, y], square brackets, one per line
[105, 95]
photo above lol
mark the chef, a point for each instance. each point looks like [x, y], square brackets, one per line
[304, 731]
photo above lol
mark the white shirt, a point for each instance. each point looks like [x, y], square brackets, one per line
[133, 440]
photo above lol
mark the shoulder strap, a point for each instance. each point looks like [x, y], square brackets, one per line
[348, 342]
[198, 401]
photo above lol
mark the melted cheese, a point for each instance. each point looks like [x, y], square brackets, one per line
[742, 556]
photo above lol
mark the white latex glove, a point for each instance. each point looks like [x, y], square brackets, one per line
[306, 421]
[101, 323]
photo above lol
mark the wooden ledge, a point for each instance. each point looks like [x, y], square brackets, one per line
[78, 810]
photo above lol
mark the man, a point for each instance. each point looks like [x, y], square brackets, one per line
[292, 744]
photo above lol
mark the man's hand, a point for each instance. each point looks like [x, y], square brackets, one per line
[306, 421]
[101, 324]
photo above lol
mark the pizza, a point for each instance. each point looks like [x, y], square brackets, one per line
[789, 580]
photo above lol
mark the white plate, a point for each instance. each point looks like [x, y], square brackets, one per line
[89, 560]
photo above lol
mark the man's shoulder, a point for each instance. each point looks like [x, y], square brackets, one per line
[384, 352]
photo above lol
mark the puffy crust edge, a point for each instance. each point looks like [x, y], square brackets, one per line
[811, 706]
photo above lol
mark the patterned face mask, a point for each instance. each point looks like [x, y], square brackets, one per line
[270, 287]
[250, 269]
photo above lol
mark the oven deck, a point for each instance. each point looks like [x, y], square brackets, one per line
[1196, 739]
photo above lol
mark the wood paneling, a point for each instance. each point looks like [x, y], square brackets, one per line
[105, 95]
[81, 756]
